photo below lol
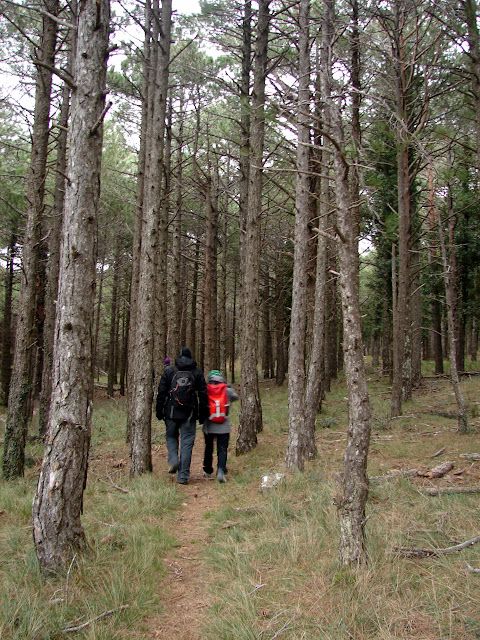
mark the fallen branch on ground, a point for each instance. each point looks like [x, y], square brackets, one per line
[407, 552]
[102, 615]
[259, 586]
[248, 509]
[439, 453]
[436, 491]
[408, 473]
[115, 486]
[439, 471]
[470, 456]
[471, 569]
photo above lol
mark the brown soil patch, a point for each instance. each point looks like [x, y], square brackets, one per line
[186, 588]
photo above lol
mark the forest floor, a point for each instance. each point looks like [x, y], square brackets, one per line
[185, 592]
[212, 561]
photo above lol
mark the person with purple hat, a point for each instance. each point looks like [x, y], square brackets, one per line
[181, 401]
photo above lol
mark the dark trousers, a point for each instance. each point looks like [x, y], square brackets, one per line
[222, 447]
[185, 432]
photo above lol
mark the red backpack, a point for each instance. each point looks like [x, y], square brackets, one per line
[217, 402]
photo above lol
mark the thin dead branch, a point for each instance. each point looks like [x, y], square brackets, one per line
[438, 453]
[437, 491]
[68, 578]
[89, 622]
[408, 473]
[115, 486]
[259, 586]
[412, 552]
[471, 569]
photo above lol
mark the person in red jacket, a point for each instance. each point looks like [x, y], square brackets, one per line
[217, 425]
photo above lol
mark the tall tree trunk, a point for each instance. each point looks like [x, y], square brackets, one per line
[296, 445]
[316, 367]
[267, 355]
[402, 349]
[474, 340]
[124, 350]
[7, 318]
[57, 506]
[416, 315]
[210, 277]
[161, 268]
[142, 363]
[351, 505]
[147, 71]
[245, 124]
[450, 293]
[251, 409]
[175, 309]
[331, 354]
[233, 347]
[279, 320]
[112, 369]
[53, 264]
[98, 313]
[471, 15]
[192, 341]
[386, 338]
[25, 340]
[222, 293]
[437, 334]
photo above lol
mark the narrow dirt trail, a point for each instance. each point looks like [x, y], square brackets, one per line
[186, 587]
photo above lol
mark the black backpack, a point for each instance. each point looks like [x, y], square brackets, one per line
[182, 393]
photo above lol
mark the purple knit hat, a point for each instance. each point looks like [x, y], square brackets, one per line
[167, 361]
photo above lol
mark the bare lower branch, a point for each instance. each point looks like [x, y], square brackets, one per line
[94, 129]
[58, 72]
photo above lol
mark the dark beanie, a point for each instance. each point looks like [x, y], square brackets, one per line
[185, 351]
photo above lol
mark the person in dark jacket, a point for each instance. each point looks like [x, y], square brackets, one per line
[180, 409]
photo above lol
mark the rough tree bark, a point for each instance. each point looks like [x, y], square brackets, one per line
[161, 287]
[177, 277]
[112, 343]
[53, 263]
[251, 410]
[209, 285]
[57, 506]
[7, 318]
[296, 444]
[279, 319]
[142, 362]
[25, 340]
[137, 228]
[351, 504]
[316, 365]
[448, 259]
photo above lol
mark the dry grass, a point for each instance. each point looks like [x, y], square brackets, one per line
[265, 565]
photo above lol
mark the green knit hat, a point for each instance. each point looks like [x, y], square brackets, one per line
[214, 373]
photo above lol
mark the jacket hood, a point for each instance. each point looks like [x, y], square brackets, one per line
[184, 364]
[215, 379]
